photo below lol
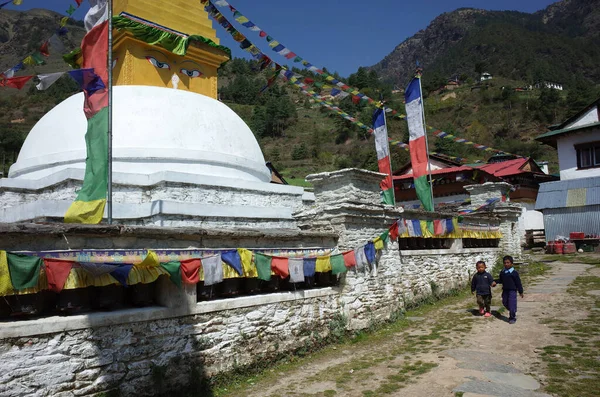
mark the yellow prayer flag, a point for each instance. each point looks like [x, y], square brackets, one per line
[323, 264]
[378, 242]
[249, 268]
[151, 260]
[63, 21]
[6, 287]
[17, 2]
[29, 61]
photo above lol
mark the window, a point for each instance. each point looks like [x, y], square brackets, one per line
[588, 155]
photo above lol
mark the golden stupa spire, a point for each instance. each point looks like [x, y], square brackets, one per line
[139, 63]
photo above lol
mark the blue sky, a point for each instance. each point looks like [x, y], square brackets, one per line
[339, 35]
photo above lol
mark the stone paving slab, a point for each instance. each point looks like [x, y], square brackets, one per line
[517, 380]
[496, 389]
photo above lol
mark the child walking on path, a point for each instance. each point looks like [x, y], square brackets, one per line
[511, 284]
[482, 283]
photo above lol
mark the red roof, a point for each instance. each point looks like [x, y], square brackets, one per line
[506, 168]
[440, 171]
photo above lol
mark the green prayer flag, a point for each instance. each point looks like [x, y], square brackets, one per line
[385, 236]
[71, 10]
[263, 265]
[37, 58]
[174, 269]
[337, 264]
[24, 270]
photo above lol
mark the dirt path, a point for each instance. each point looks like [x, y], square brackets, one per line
[447, 351]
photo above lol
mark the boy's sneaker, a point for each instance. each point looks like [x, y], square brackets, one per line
[488, 314]
[512, 321]
[481, 310]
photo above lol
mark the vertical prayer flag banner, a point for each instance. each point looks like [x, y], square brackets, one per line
[418, 147]
[89, 205]
[383, 155]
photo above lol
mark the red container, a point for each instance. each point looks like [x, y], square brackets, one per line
[558, 247]
[569, 248]
[576, 236]
[550, 247]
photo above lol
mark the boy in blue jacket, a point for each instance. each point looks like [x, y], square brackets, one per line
[511, 284]
[481, 284]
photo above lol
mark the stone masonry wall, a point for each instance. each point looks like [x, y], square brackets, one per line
[147, 357]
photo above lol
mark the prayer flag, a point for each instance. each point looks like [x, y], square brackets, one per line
[361, 258]
[296, 268]
[437, 227]
[174, 270]
[383, 156]
[370, 252]
[71, 10]
[213, 269]
[24, 270]
[394, 231]
[87, 80]
[190, 271]
[44, 49]
[263, 265]
[15, 82]
[418, 142]
[337, 264]
[6, 287]
[46, 80]
[280, 266]
[323, 264]
[97, 269]
[310, 266]
[349, 259]
[89, 205]
[121, 274]
[232, 258]
[63, 21]
[57, 272]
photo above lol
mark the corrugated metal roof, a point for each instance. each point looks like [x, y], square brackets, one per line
[505, 168]
[551, 135]
[569, 193]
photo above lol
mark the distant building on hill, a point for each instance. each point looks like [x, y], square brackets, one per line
[486, 76]
[452, 84]
[548, 84]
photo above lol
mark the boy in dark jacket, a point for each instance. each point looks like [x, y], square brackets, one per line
[511, 284]
[482, 283]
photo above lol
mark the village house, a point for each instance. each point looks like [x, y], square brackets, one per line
[548, 84]
[486, 76]
[573, 203]
[450, 178]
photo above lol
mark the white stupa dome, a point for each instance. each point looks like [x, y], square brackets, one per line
[154, 129]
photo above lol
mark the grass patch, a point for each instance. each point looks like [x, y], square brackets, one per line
[588, 259]
[573, 369]
[397, 381]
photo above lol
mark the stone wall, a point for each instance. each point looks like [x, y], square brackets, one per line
[159, 349]
[143, 351]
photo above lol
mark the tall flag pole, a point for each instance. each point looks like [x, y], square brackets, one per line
[383, 155]
[110, 113]
[89, 205]
[419, 150]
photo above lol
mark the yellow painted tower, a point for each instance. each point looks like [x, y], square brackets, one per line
[138, 63]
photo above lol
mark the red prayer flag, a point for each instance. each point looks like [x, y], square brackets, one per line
[78, 2]
[394, 231]
[437, 227]
[291, 55]
[57, 272]
[94, 49]
[190, 269]
[44, 49]
[15, 82]
[262, 33]
[349, 259]
[308, 80]
[356, 99]
[280, 266]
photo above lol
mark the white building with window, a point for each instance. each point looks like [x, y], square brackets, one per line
[573, 203]
[486, 76]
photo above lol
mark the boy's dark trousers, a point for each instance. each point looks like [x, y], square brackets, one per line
[484, 301]
[509, 300]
